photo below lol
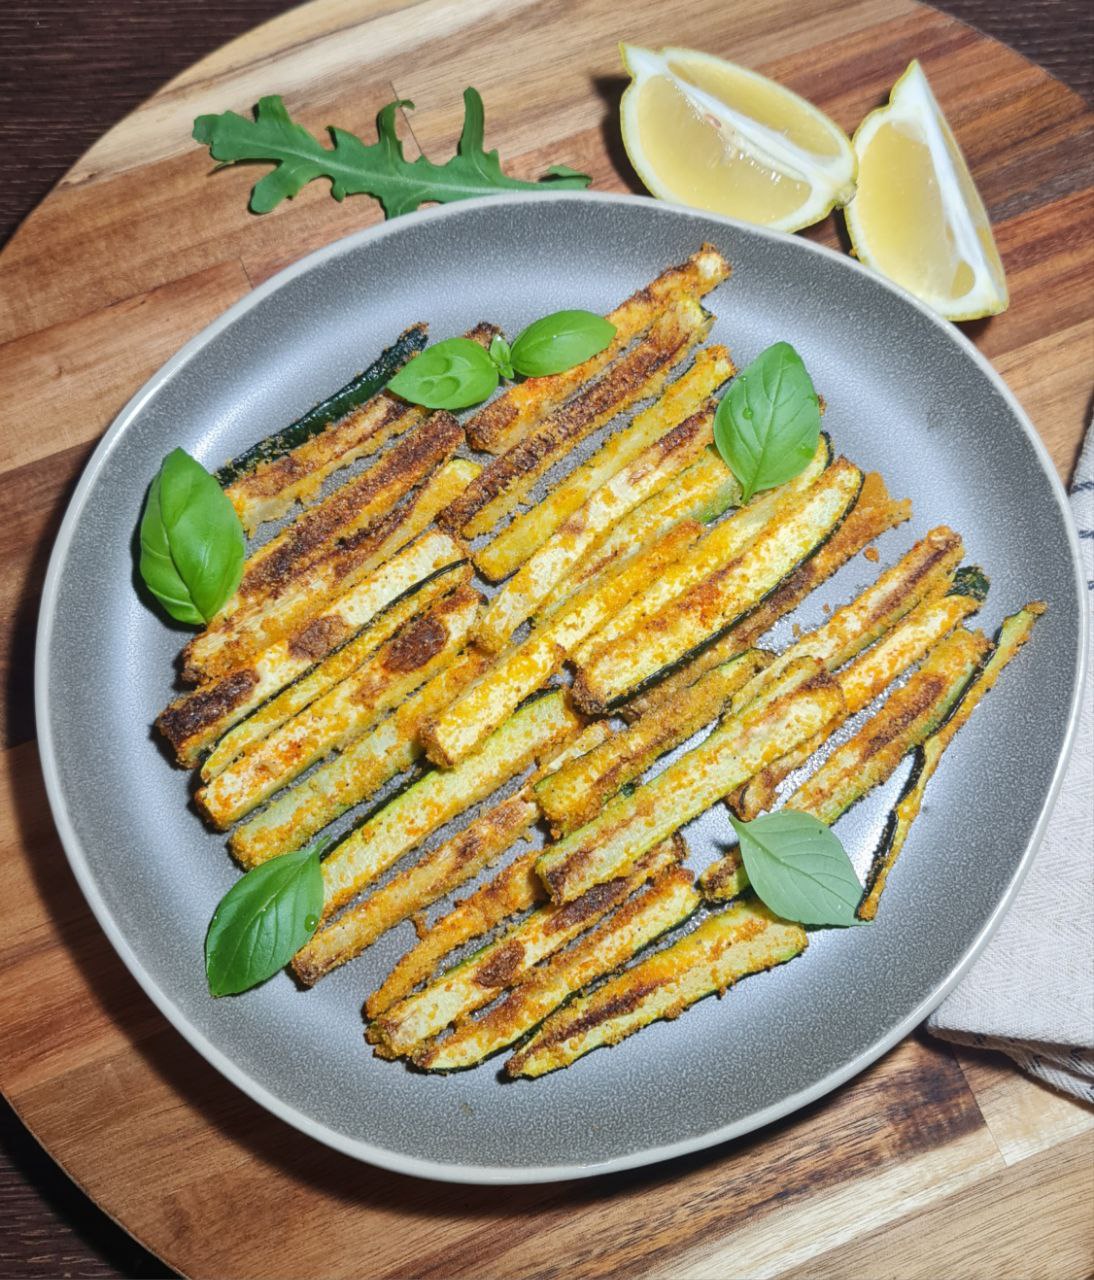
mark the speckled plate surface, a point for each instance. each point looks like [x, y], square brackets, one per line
[906, 394]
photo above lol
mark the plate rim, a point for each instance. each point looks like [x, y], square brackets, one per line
[500, 1175]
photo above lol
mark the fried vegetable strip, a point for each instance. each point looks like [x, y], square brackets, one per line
[328, 673]
[194, 721]
[861, 682]
[459, 729]
[526, 532]
[510, 416]
[740, 746]
[666, 457]
[868, 759]
[726, 947]
[478, 979]
[702, 492]
[417, 651]
[716, 549]
[366, 765]
[668, 901]
[697, 616]
[439, 796]
[577, 792]
[638, 373]
[338, 570]
[1013, 634]
[873, 514]
[515, 888]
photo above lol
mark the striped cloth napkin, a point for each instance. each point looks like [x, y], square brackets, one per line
[1031, 993]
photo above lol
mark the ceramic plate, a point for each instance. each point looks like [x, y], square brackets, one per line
[906, 394]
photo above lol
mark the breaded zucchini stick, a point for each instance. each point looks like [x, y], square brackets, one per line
[638, 373]
[510, 416]
[437, 797]
[419, 649]
[663, 905]
[578, 791]
[726, 947]
[478, 979]
[357, 773]
[695, 618]
[740, 746]
[529, 530]
[873, 514]
[868, 759]
[193, 722]
[460, 728]
[1013, 634]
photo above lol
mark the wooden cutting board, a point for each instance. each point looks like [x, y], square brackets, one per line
[931, 1163]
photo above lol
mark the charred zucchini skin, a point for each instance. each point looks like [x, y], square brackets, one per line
[354, 394]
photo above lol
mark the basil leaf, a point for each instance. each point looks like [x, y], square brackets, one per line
[559, 341]
[501, 356]
[799, 869]
[192, 544]
[263, 920]
[449, 375]
[768, 422]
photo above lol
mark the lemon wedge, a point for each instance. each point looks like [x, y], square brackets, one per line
[917, 216]
[708, 133]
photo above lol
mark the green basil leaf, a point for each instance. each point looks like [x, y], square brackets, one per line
[768, 422]
[501, 356]
[192, 544]
[263, 920]
[799, 869]
[449, 375]
[559, 341]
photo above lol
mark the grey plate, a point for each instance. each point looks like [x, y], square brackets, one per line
[907, 395]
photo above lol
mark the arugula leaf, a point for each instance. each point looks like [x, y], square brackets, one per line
[799, 868]
[191, 540]
[560, 341]
[768, 422]
[263, 920]
[378, 169]
[451, 374]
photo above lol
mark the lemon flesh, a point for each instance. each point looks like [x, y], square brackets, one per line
[707, 133]
[917, 216]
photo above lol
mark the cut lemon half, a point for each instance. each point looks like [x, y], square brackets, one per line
[708, 133]
[917, 216]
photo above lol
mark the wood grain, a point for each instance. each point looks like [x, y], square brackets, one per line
[140, 246]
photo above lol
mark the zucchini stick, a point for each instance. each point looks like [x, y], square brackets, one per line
[328, 673]
[1013, 634]
[478, 979]
[293, 462]
[356, 774]
[716, 549]
[873, 514]
[663, 905]
[418, 650]
[222, 648]
[577, 792]
[438, 796]
[509, 417]
[695, 618]
[861, 681]
[740, 746]
[666, 457]
[869, 758]
[193, 722]
[638, 373]
[435, 874]
[530, 530]
[461, 728]
[726, 947]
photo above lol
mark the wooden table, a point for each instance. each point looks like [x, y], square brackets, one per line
[932, 1162]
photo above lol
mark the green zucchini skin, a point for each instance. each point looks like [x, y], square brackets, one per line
[970, 580]
[359, 389]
